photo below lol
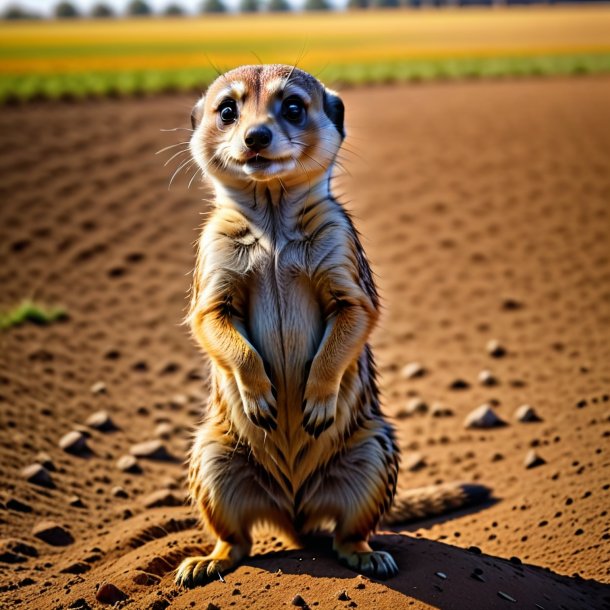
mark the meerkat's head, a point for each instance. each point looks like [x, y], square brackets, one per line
[260, 123]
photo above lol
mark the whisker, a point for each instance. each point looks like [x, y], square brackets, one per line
[180, 167]
[180, 152]
[171, 146]
[177, 129]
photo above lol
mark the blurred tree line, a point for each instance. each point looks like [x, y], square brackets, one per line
[100, 10]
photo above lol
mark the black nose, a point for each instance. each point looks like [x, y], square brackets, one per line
[258, 137]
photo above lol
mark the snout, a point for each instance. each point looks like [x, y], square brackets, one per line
[258, 138]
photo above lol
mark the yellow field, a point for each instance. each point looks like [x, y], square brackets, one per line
[362, 36]
[356, 46]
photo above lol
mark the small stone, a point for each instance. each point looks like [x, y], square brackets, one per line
[78, 567]
[511, 304]
[128, 463]
[497, 457]
[507, 597]
[37, 474]
[483, 417]
[18, 506]
[297, 600]
[163, 497]
[487, 378]
[413, 370]
[76, 501]
[342, 596]
[145, 578]
[441, 575]
[459, 384]
[164, 430]
[495, 349]
[52, 533]
[119, 492]
[99, 388]
[440, 410]
[178, 401]
[212, 606]
[152, 450]
[110, 594]
[101, 420]
[45, 459]
[80, 604]
[417, 462]
[533, 460]
[162, 604]
[527, 414]
[74, 442]
[416, 406]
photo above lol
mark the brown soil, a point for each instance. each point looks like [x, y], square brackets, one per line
[485, 211]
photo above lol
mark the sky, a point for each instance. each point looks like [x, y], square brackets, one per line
[45, 7]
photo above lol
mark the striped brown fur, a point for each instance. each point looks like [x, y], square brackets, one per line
[283, 303]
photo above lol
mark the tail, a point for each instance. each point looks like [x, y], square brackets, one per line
[434, 500]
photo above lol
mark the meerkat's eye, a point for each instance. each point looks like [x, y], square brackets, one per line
[293, 109]
[228, 112]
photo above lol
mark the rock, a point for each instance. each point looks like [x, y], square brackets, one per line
[417, 406]
[495, 349]
[99, 388]
[511, 304]
[487, 378]
[297, 600]
[14, 551]
[79, 604]
[119, 492]
[78, 567]
[342, 596]
[18, 506]
[164, 430]
[101, 420]
[128, 463]
[163, 497]
[74, 442]
[483, 417]
[110, 594]
[45, 459]
[440, 410]
[413, 370]
[212, 606]
[527, 414]
[459, 384]
[145, 578]
[152, 450]
[38, 475]
[76, 501]
[533, 460]
[52, 533]
[416, 462]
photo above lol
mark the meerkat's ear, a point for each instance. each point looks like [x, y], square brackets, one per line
[335, 110]
[197, 112]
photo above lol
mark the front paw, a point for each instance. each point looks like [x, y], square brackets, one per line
[260, 406]
[319, 412]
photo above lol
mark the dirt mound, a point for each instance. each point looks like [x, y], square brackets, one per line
[484, 211]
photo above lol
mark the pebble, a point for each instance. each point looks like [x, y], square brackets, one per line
[416, 406]
[101, 420]
[163, 497]
[212, 606]
[297, 600]
[459, 384]
[487, 378]
[78, 567]
[417, 462]
[52, 533]
[152, 450]
[76, 501]
[164, 430]
[80, 604]
[74, 442]
[99, 387]
[109, 594]
[413, 370]
[342, 596]
[507, 597]
[18, 506]
[45, 459]
[533, 460]
[495, 349]
[38, 475]
[128, 463]
[440, 410]
[483, 417]
[441, 575]
[119, 492]
[527, 414]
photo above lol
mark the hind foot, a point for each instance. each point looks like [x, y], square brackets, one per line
[195, 571]
[361, 558]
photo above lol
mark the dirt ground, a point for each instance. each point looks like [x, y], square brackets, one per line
[485, 211]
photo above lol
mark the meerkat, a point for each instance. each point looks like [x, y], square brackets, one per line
[283, 302]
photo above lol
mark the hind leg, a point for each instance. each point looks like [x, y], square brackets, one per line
[226, 489]
[354, 492]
